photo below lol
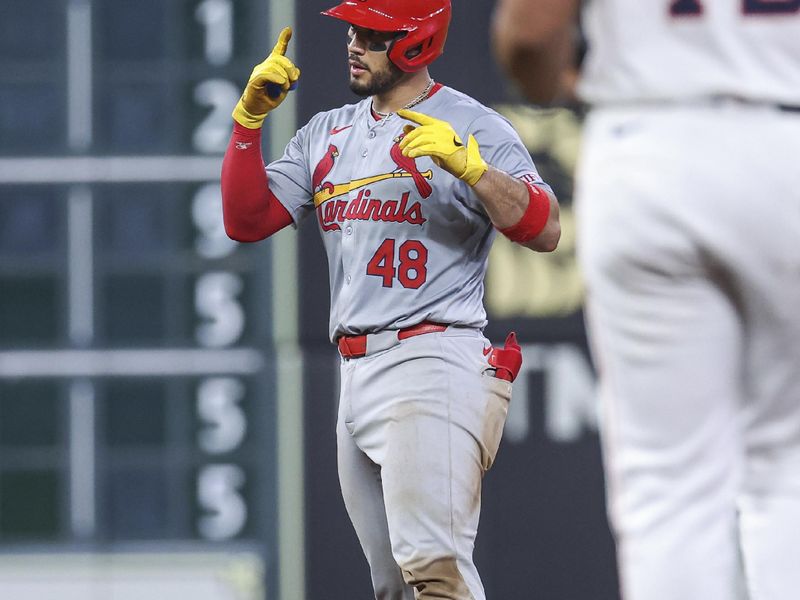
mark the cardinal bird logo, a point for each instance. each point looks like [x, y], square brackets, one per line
[409, 165]
[322, 170]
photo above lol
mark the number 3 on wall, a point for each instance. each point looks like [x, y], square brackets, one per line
[679, 8]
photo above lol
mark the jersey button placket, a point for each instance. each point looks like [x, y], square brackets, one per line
[348, 243]
[347, 255]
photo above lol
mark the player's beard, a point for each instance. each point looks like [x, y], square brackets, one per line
[379, 82]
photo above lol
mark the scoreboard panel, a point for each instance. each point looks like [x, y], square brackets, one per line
[138, 397]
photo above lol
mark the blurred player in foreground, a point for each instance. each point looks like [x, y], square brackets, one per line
[688, 206]
[407, 203]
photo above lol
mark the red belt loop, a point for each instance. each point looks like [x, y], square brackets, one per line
[355, 346]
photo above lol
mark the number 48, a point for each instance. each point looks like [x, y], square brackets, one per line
[411, 270]
[749, 7]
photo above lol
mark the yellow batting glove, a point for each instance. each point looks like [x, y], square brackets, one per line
[269, 83]
[438, 139]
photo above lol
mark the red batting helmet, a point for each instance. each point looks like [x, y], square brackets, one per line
[424, 23]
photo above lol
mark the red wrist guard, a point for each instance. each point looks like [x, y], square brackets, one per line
[534, 219]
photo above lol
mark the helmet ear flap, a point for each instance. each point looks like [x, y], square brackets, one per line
[413, 52]
[424, 45]
[392, 52]
[410, 52]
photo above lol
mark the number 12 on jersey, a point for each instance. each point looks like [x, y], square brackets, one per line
[411, 270]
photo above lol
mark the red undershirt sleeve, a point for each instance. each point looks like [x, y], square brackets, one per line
[251, 212]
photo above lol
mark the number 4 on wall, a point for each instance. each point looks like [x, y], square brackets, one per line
[680, 8]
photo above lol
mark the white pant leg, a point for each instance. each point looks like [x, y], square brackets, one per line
[671, 445]
[689, 229]
[425, 413]
[362, 490]
[770, 274]
[770, 503]
[667, 342]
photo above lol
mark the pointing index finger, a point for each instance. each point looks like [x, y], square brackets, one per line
[417, 117]
[283, 41]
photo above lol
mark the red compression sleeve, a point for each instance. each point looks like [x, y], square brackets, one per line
[534, 219]
[250, 210]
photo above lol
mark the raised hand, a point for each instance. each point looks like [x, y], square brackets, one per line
[268, 85]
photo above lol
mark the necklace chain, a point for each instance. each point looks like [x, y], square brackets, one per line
[414, 102]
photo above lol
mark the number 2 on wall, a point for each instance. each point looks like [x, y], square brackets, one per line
[411, 270]
[679, 8]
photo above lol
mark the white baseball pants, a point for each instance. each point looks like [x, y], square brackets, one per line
[689, 239]
[418, 426]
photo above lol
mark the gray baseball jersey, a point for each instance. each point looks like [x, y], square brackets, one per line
[406, 241]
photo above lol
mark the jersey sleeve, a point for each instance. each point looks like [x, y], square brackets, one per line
[502, 148]
[290, 178]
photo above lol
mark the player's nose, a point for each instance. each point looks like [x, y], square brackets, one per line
[356, 46]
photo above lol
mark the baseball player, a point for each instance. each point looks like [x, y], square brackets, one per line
[689, 231]
[408, 187]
